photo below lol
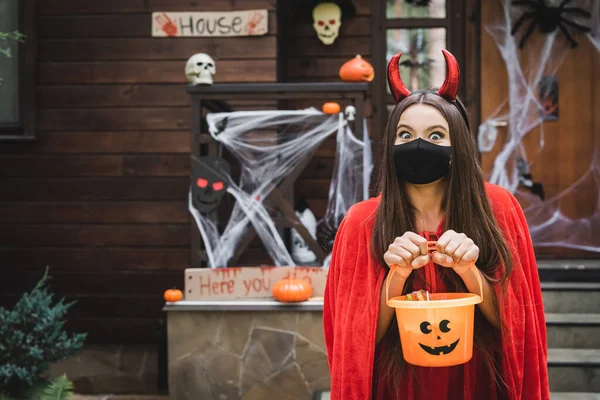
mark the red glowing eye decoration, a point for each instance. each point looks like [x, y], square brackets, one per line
[218, 186]
[321, 23]
[332, 21]
[201, 182]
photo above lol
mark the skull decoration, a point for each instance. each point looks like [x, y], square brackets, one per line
[209, 182]
[327, 19]
[350, 113]
[301, 253]
[199, 69]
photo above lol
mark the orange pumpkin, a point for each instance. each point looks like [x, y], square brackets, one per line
[357, 70]
[292, 290]
[331, 108]
[173, 295]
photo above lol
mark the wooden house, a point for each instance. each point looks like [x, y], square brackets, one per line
[95, 152]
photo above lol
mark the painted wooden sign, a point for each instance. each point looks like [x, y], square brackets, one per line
[247, 282]
[203, 24]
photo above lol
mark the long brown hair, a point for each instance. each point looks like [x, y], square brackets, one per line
[467, 210]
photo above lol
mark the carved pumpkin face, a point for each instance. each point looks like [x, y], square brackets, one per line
[437, 337]
[440, 339]
[357, 70]
[438, 332]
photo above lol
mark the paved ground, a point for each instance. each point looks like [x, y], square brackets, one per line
[118, 397]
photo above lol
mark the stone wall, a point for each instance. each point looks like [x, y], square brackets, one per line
[246, 355]
[112, 369]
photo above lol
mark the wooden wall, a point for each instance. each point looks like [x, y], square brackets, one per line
[569, 142]
[101, 197]
[304, 58]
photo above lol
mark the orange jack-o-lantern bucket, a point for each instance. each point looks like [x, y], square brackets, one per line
[437, 332]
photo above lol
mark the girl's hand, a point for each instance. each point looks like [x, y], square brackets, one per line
[409, 252]
[456, 251]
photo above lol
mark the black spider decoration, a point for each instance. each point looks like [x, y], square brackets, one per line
[418, 3]
[549, 18]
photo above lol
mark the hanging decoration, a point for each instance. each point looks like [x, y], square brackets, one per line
[326, 16]
[327, 20]
[301, 253]
[548, 91]
[350, 113]
[526, 179]
[357, 70]
[209, 182]
[549, 19]
[266, 161]
[521, 113]
[418, 3]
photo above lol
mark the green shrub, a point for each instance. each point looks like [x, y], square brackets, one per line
[32, 338]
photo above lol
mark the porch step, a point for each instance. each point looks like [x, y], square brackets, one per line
[569, 264]
[569, 270]
[573, 330]
[574, 396]
[571, 297]
[574, 370]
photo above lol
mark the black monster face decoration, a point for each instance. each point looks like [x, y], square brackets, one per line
[209, 182]
[438, 349]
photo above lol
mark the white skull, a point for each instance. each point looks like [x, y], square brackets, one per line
[199, 69]
[327, 19]
[350, 113]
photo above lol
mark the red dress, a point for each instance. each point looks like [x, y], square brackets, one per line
[351, 308]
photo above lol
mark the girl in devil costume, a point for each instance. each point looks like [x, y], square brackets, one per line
[432, 189]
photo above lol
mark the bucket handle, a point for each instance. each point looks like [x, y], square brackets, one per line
[431, 246]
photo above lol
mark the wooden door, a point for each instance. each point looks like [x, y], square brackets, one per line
[565, 165]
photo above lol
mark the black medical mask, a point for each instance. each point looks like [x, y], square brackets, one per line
[421, 162]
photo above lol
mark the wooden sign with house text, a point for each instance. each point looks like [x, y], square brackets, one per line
[208, 24]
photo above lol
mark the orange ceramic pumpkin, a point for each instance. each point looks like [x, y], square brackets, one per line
[292, 290]
[357, 70]
[173, 295]
[331, 108]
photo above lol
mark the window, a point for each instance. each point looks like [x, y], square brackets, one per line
[16, 70]
[420, 29]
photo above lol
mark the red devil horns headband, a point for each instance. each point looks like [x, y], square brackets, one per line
[448, 89]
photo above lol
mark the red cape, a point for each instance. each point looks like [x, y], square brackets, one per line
[351, 307]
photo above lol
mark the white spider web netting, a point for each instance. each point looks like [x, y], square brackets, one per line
[522, 112]
[269, 146]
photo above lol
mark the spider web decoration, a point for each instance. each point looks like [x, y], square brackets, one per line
[269, 146]
[522, 112]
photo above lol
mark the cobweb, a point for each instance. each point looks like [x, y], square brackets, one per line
[269, 146]
[522, 112]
